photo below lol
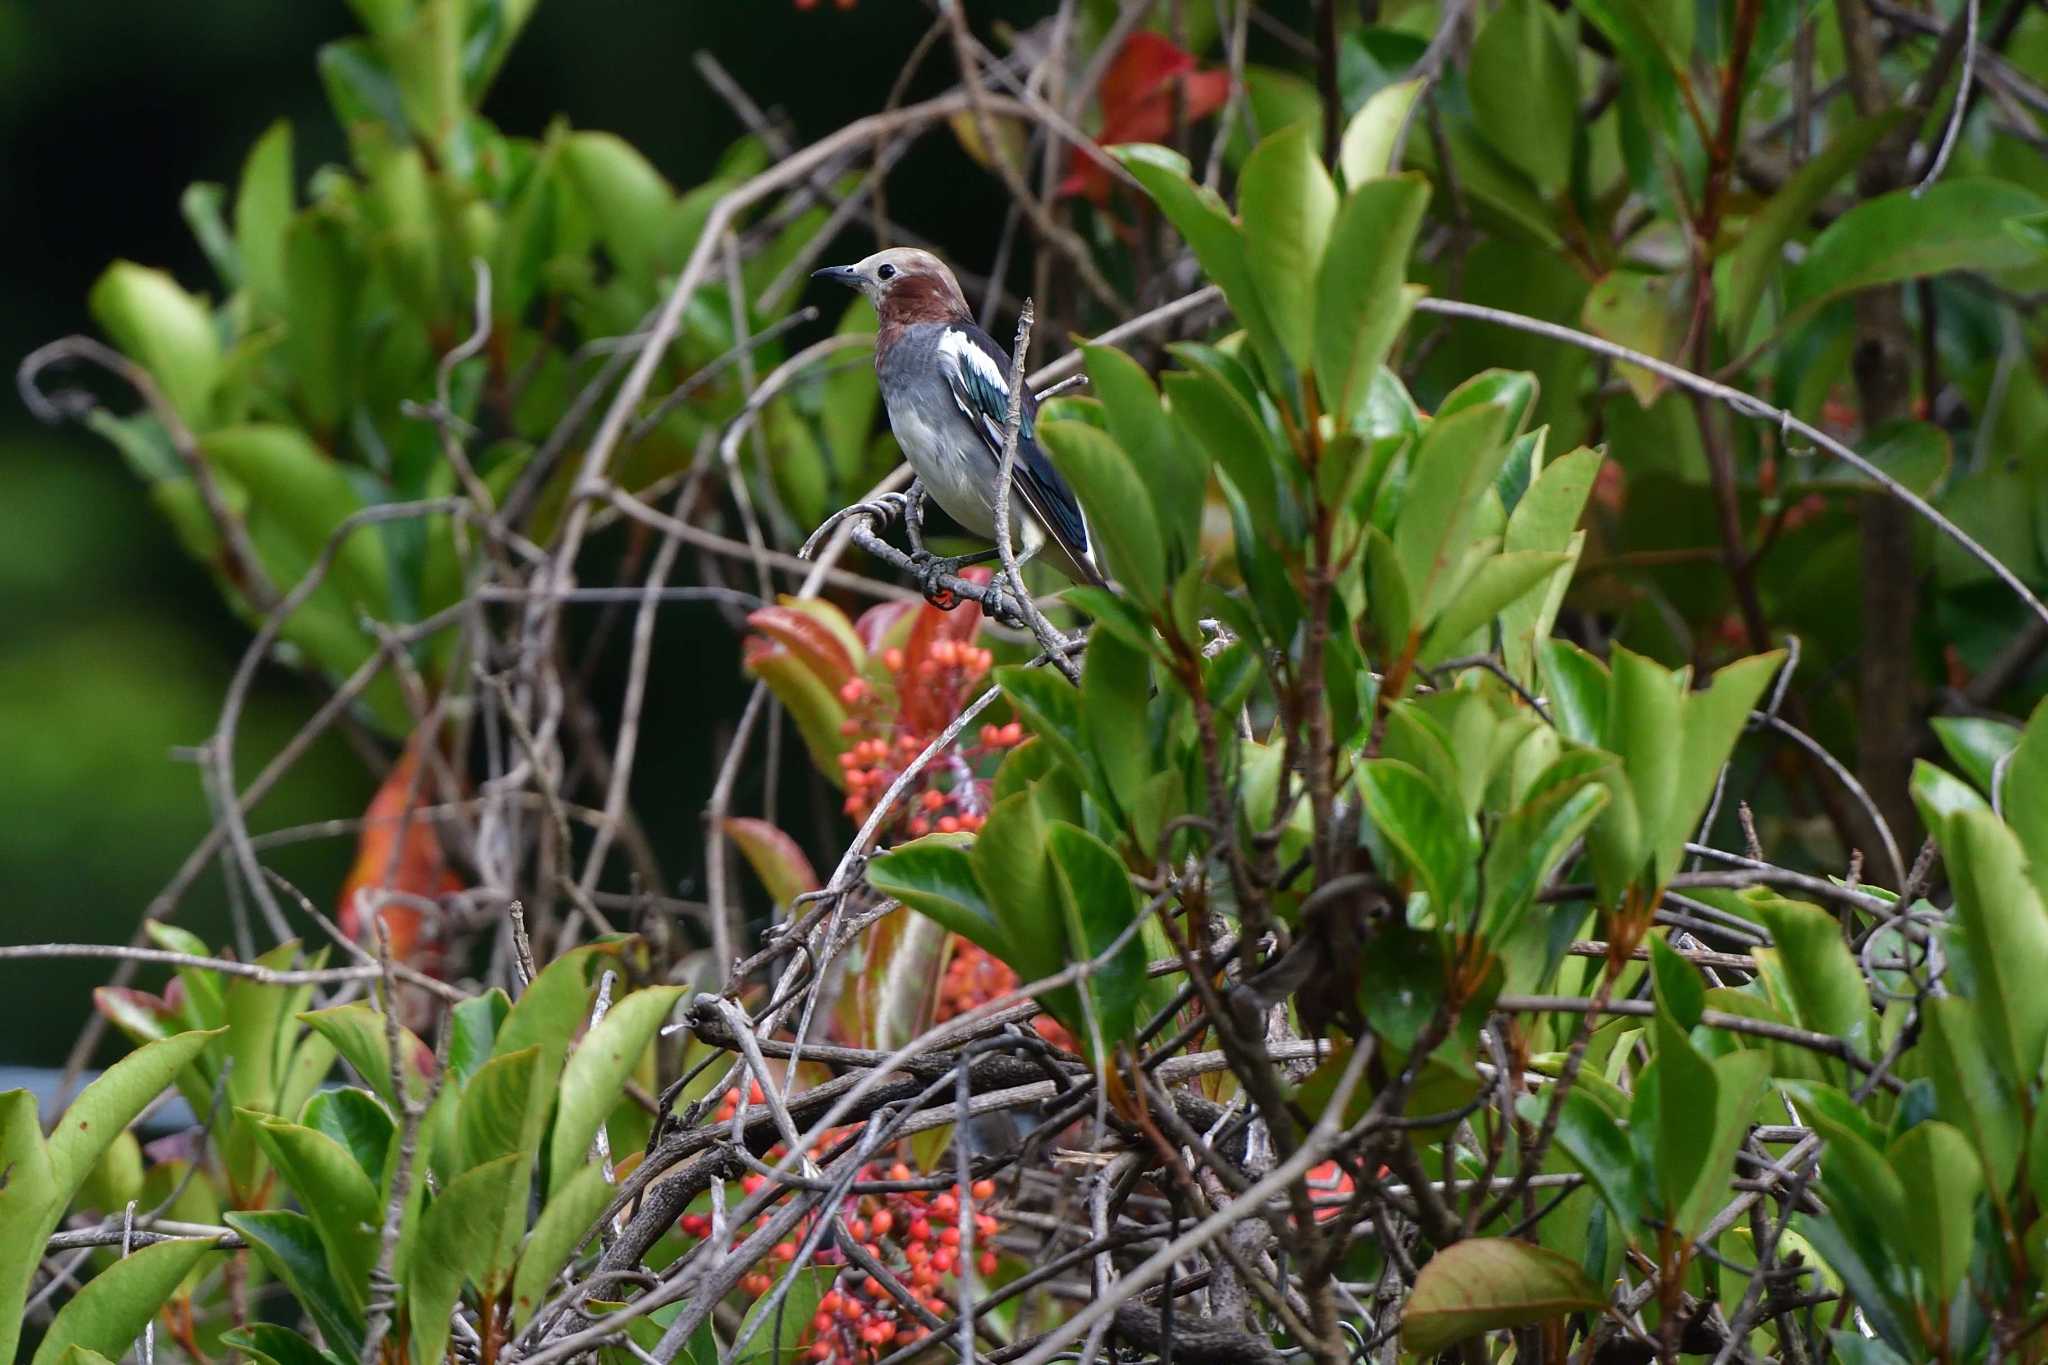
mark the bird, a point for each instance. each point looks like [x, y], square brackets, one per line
[946, 388]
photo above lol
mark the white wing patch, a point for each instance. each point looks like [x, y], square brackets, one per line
[956, 349]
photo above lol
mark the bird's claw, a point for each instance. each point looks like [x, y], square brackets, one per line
[929, 569]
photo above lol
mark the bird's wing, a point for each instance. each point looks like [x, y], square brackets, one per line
[974, 370]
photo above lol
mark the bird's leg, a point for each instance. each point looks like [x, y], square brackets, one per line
[930, 569]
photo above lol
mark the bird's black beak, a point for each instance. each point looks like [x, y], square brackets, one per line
[839, 274]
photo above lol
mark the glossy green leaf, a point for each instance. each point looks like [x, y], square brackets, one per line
[2028, 772]
[501, 1109]
[1457, 460]
[1746, 271]
[1219, 419]
[1681, 992]
[1643, 312]
[552, 1008]
[302, 491]
[596, 1074]
[357, 1032]
[1288, 204]
[335, 1193]
[31, 1203]
[115, 1305]
[570, 1214]
[1367, 149]
[2004, 936]
[1360, 302]
[323, 278]
[1976, 745]
[1499, 583]
[462, 1239]
[1010, 863]
[1099, 904]
[626, 197]
[1434, 837]
[1955, 224]
[934, 877]
[1828, 994]
[1050, 707]
[1714, 717]
[356, 1120]
[1973, 1093]
[1940, 794]
[1525, 91]
[1119, 506]
[473, 1026]
[263, 209]
[1116, 686]
[165, 330]
[1175, 472]
[290, 1250]
[1936, 1163]
[1593, 1140]
[107, 1106]
[274, 1345]
[1205, 222]
[1483, 1283]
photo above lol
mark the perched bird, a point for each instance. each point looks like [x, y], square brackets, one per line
[946, 385]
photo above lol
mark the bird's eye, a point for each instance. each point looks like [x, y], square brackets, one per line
[885, 272]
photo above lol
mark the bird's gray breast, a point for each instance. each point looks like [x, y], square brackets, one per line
[937, 439]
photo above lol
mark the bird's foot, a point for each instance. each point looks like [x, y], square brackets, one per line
[930, 568]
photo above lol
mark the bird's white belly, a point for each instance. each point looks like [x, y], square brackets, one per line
[958, 480]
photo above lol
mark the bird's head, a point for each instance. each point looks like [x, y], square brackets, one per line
[905, 285]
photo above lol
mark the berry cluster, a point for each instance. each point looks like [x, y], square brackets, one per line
[974, 977]
[888, 731]
[915, 1233]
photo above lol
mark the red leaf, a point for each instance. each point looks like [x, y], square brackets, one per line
[809, 640]
[775, 858]
[1137, 97]
[880, 621]
[399, 850]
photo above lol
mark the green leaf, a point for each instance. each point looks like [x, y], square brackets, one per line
[1483, 1283]
[263, 209]
[1714, 717]
[290, 1250]
[1525, 91]
[1367, 150]
[1745, 272]
[1545, 518]
[1099, 904]
[1205, 222]
[335, 1193]
[302, 491]
[1216, 417]
[628, 201]
[551, 1008]
[357, 1032]
[1051, 709]
[1976, 744]
[115, 1305]
[501, 1109]
[1971, 1091]
[473, 1031]
[777, 1342]
[1593, 1140]
[1954, 224]
[933, 876]
[357, 1121]
[31, 1203]
[1457, 460]
[1533, 840]
[1681, 992]
[1288, 204]
[1116, 686]
[570, 1214]
[107, 1106]
[596, 1074]
[1119, 507]
[1009, 861]
[1940, 794]
[323, 278]
[849, 397]
[426, 60]
[1935, 1161]
[1175, 472]
[1435, 839]
[1360, 304]
[1643, 312]
[1499, 583]
[2004, 938]
[274, 1345]
[163, 329]
[2028, 772]
[461, 1239]
[1828, 994]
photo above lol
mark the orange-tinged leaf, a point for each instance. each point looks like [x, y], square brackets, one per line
[924, 712]
[1137, 98]
[775, 858]
[399, 850]
[810, 640]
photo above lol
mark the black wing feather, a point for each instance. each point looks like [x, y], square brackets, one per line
[987, 405]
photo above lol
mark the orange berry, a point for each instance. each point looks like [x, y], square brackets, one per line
[949, 824]
[899, 1172]
[983, 1189]
[857, 1229]
[986, 1264]
[882, 1222]
[932, 800]
[785, 1251]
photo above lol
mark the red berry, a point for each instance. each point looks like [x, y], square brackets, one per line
[920, 1230]
[986, 1264]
